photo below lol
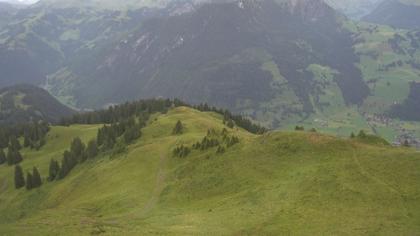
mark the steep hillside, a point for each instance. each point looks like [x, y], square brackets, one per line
[40, 39]
[278, 183]
[23, 103]
[240, 65]
[397, 13]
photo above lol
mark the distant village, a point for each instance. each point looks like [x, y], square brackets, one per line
[405, 137]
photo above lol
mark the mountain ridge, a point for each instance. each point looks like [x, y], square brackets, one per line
[26, 103]
[397, 13]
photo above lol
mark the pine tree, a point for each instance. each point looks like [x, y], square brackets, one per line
[179, 128]
[14, 143]
[92, 149]
[300, 128]
[26, 140]
[131, 134]
[18, 157]
[2, 157]
[13, 157]
[53, 170]
[65, 166]
[19, 179]
[29, 181]
[362, 134]
[77, 147]
[10, 157]
[36, 178]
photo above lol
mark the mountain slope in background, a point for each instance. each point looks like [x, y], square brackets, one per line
[24, 103]
[354, 8]
[282, 62]
[397, 13]
[241, 65]
[273, 184]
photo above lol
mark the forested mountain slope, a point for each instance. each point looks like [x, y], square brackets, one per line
[24, 103]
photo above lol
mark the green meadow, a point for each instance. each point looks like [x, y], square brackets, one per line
[279, 183]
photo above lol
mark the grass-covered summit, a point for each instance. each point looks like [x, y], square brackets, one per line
[300, 183]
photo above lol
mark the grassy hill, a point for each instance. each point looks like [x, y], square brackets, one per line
[277, 183]
[24, 103]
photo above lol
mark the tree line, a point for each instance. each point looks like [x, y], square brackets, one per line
[221, 140]
[118, 112]
[114, 136]
[32, 133]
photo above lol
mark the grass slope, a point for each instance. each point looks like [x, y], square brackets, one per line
[278, 183]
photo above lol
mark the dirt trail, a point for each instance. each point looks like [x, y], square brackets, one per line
[159, 186]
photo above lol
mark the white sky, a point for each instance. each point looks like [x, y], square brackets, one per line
[20, 1]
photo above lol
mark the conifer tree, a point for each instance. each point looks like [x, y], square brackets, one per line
[26, 140]
[2, 157]
[53, 170]
[10, 157]
[18, 157]
[13, 157]
[36, 178]
[19, 178]
[362, 134]
[29, 181]
[92, 149]
[179, 128]
[131, 134]
[77, 147]
[230, 123]
[14, 143]
[65, 167]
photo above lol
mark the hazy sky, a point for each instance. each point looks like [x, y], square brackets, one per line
[20, 1]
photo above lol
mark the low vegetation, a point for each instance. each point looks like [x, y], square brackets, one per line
[228, 181]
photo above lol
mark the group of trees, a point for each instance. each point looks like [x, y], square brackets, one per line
[182, 151]
[13, 155]
[33, 180]
[222, 140]
[77, 154]
[121, 112]
[113, 136]
[33, 134]
[231, 120]
[123, 124]
[129, 128]
[33, 137]
[138, 108]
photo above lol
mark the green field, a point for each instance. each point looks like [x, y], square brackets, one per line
[280, 183]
